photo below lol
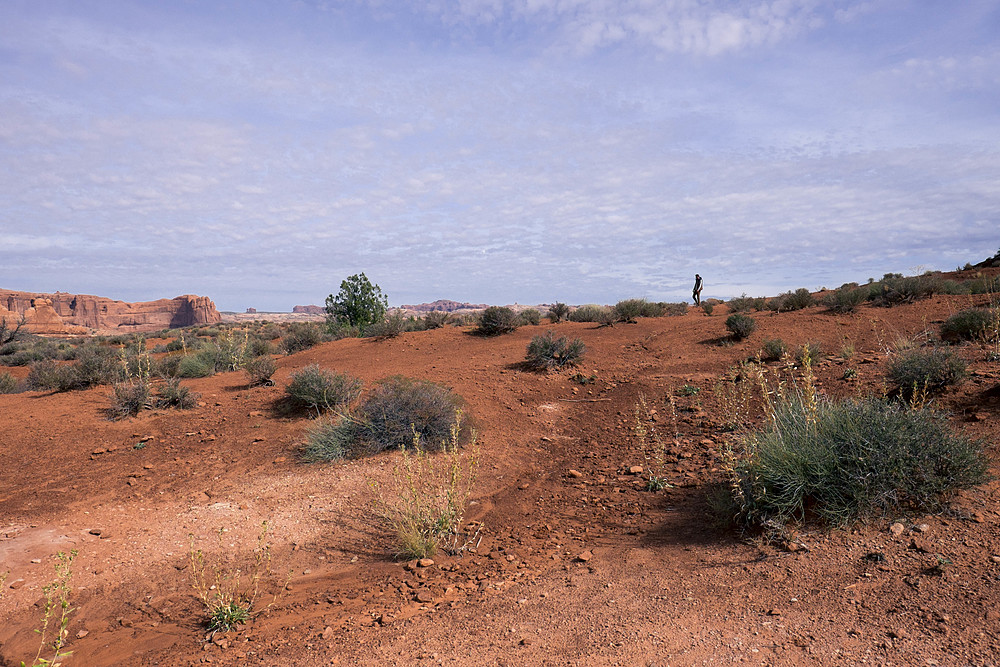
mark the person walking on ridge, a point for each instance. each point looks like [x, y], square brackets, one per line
[696, 292]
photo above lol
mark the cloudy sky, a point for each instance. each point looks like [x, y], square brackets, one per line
[500, 151]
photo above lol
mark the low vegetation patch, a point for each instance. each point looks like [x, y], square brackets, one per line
[545, 352]
[321, 390]
[839, 462]
[558, 312]
[773, 349]
[918, 371]
[740, 326]
[497, 320]
[972, 324]
[846, 299]
[797, 300]
[259, 370]
[593, 313]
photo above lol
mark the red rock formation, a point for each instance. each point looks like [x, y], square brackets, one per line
[47, 312]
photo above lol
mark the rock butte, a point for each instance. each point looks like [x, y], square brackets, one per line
[72, 314]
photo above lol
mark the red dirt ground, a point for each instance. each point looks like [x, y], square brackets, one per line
[588, 570]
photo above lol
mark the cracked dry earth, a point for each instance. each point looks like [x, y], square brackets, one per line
[577, 564]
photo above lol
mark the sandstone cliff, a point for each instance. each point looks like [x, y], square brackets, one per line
[63, 313]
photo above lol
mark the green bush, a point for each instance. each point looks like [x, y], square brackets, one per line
[129, 398]
[301, 336]
[389, 327]
[497, 320]
[848, 461]
[797, 300]
[259, 370]
[8, 383]
[329, 441]
[593, 313]
[558, 312]
[546, 352]
[813, 348]
[530, 316]
[435, 319]
[740, 326]
[983, 285]
[196, 366]
[358, 304]
[172, 395]
[744, 304]
[97, 364]
[675, 309]
[629, 309]
[707, 307]
[846, 299]
[971, 324]
[773, 349]
[400, 409]
[928, 371]
[321, 390]
[895, 289]
[47, 375]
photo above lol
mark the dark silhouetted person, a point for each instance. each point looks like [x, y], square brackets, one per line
[696, 292]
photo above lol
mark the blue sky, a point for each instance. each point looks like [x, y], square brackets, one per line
[500, 151]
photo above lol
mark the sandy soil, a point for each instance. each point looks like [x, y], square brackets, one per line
[578, 564]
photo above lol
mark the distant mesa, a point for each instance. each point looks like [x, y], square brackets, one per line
[72, 314]
[310, 310]
[444, 306]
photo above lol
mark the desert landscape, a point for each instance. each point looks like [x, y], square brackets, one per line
[569, 553]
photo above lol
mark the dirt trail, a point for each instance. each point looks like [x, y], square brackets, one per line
[578, 564]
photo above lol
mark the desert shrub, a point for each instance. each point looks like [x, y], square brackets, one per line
[329, 440]
[707, 307]
[389, 327]
[846, 299]
[321, 390]
[812, 350]
[12, 330]
[797, 300]
[49, 376]
[8, 383]
[129, 398]
[173, 395]
[895, 289]
[435, 319]
[593, 313]
[196, 366]
[269, 331]
[497, 320]
[675, 309]
[740, 326]
[970, 324]
[983, 285]
[258, 347]
[400, 409]
[743, 304]
[167, 367]
[97, 364]
[654, 309]
[629, 309]
[546, 352]
[773, 349]
[530, 316]
[24, 357]
[301, 336]
[259, 370]
[921, 370]
[558, 312]
[847, 461]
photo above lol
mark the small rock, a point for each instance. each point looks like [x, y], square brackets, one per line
[95, 531]
[897, 633]
[995, 559]
[923, 528]
[425, 562]
[897, 529]
[36, 561]
[586, 556]
[327, 633]
[82, 633]
[524, 486]
[424, 596]
[774, 612]
[977, 517]
[17, 583]
[575, 473]
[635, 470]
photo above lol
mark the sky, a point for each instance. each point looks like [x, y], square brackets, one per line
[494, 151]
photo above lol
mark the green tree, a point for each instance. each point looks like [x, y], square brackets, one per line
[357, 304]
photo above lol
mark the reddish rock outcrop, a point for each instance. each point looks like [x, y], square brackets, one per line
[63, 313]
